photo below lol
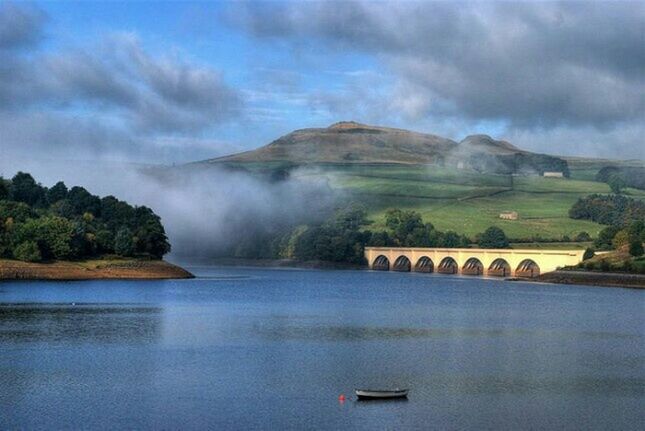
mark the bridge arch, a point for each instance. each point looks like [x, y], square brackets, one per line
[448, 265]
[473, 266]
[499, 268]
[402, 263]
[424, 264]
[381, 263]
[527, 268]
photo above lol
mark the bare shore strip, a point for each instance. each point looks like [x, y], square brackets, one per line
[591, 278]
[126, 269]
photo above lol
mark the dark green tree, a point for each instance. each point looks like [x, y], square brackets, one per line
[582, 237]
[83, 201]
[605, 238]
[57, 192]
[408, 229]
[25, 189]
[104, 241]
[380, 239]
[451, 239]
[4, 188]
[124, 243]
[493, 237]
[18, 212]
[616, 183]
[636, 248]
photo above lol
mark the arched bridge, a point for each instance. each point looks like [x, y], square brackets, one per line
[471, 261]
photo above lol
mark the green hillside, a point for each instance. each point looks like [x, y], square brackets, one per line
[468, 202]
[464, 201]
[461, 187]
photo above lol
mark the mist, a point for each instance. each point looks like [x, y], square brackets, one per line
[206, 210]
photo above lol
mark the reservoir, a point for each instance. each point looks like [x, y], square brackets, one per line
[248, 348]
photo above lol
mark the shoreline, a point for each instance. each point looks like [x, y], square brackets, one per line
[588, 278]
[96, 269]
[591, 278]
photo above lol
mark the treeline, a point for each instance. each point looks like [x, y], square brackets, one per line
[624, 216]
[624, 176]
[613, 209]
[39, 223]
[344, 236]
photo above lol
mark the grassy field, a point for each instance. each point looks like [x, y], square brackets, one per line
[467, 202]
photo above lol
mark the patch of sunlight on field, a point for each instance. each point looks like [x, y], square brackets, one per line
[562, 185]
[544, 215]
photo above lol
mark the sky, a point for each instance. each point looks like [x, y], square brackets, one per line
[173, 82]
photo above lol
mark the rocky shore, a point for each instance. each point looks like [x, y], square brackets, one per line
[126, 269]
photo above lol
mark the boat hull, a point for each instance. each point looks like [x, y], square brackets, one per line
[367, 394]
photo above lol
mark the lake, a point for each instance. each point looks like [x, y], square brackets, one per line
[245, 348]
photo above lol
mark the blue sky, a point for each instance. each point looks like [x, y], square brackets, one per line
[170, 82]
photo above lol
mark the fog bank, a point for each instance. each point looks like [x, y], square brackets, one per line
[205, 210]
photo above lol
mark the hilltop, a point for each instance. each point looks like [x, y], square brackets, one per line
[356, 143]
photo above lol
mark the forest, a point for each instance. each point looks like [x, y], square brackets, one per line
[38, 223]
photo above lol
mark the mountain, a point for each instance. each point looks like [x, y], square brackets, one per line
[351, 142]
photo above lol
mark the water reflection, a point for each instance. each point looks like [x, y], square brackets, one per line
[21, 323]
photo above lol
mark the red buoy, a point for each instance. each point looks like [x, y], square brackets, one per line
[341, 398]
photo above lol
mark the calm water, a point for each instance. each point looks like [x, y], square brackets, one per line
[273, 349]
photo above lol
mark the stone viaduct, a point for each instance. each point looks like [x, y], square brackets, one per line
[471, 261]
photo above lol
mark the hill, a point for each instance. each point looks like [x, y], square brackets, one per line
[351, 142]
[459, 186]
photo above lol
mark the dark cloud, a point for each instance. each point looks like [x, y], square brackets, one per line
[105, 97]
[530, 64]
[20, 25]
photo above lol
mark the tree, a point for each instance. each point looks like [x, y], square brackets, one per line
[451, 239]
[616, 183]
[4, 188]
[407, 228]
[104, 241]
[52, 234]
[17, 211]
[636, 248]
[62, 208]
[493, 237]
[583, 237]
[621, 239]
[25, 189]
[83, 201]
[57, 192]
[588, 254]
[380, 239]
[605, 237]
[27, 251]
[636, 230]
[150, 234]
[123, 243]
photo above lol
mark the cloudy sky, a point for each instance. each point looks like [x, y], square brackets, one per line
[175, 82]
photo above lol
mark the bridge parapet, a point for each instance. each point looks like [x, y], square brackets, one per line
[472, 261]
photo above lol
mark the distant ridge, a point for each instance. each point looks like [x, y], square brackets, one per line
[352, 142]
